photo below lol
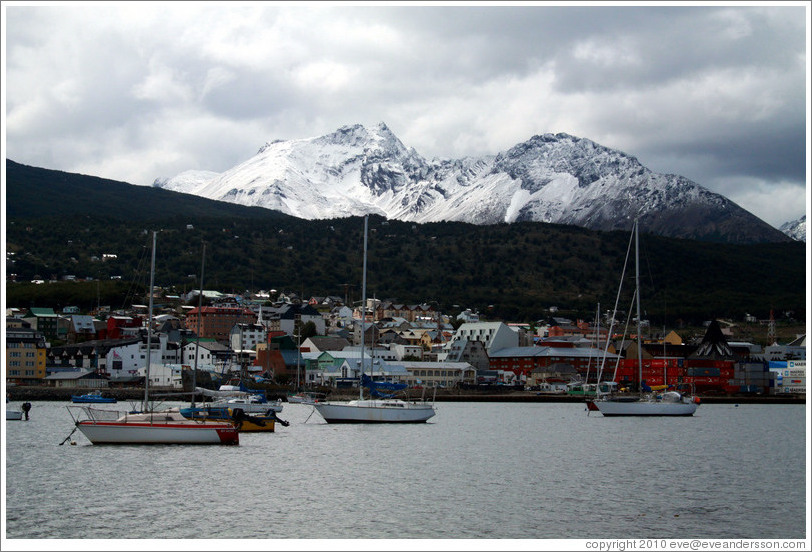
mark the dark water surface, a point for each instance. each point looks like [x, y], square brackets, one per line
[477, 471]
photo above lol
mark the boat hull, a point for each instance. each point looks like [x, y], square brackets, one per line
[75, 399]
[374, 412]
[249, 407]
[145, 433]
[644, 408]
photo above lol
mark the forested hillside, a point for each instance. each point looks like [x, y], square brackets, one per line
[513, 272]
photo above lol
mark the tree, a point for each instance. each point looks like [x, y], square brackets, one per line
[309, 330]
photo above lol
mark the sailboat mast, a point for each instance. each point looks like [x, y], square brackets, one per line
[149, 321]
[637, 293]
[199, 316]
[363, 310]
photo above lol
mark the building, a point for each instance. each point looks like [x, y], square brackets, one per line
[493, 335]
[84, 379]
[25, 355]
[82, 328]
[290, 318]
[45, 321]
[439, 374]
[247, 336]
[523, 361]
[217, 322]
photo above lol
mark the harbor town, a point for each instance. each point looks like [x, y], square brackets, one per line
[285, 343]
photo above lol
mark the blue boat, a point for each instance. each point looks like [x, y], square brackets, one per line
[94, 397]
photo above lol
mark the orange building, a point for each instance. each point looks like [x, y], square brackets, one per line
[216, 322]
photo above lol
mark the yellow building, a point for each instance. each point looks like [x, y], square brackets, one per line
[25, 354]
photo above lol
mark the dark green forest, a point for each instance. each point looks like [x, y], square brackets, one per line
[61, 224]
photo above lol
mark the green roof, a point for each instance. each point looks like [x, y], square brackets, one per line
[42, 312]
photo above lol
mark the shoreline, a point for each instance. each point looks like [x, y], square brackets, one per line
[36, 393]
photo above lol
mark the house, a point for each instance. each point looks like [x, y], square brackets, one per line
[209, 353]
[289, 318]
[319, 343]
[82, 328]
[208, 294]
[119, 326]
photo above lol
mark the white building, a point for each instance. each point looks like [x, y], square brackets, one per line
[128, 359]
[163, 375]
[246, 336]
[493, 335]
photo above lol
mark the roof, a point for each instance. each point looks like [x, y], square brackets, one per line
[74, 375]
[327, 343]
[574, 352]
[36, 311]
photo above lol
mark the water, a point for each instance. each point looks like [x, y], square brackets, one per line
[477, 471]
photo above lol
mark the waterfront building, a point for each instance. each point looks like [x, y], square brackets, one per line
[523, 361]
[25, 354]
[86, 379]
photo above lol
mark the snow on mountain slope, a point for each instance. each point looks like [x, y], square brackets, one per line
[795, 229]
[549, 178]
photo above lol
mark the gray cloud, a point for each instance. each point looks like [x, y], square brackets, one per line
[135, 92]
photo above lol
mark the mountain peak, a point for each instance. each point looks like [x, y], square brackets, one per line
[557, 178]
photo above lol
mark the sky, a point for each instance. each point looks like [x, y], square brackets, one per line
[717, 93]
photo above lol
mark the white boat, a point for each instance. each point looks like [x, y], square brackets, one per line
[151, 428]
[102, 426]
[669, 403]
[306, 398]
[375, 411]
[17, 414]
[252, 404]
[248, 402]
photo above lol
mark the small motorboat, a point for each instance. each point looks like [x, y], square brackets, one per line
[244, 422]
[306, 398]
[94, 397]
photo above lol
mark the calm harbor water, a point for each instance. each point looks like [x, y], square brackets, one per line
[477, 471]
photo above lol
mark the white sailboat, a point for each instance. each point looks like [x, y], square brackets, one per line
[389, 410]
[669, 403]
[102, 426]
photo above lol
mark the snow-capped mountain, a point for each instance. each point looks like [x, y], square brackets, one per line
[795, 229]
[554, 178]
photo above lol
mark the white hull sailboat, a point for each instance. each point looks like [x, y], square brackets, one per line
[150, 427]
[153, 428]
[372, 411]
[670, 403]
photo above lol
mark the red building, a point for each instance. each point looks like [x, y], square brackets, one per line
[216, 322]
[115, 325]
